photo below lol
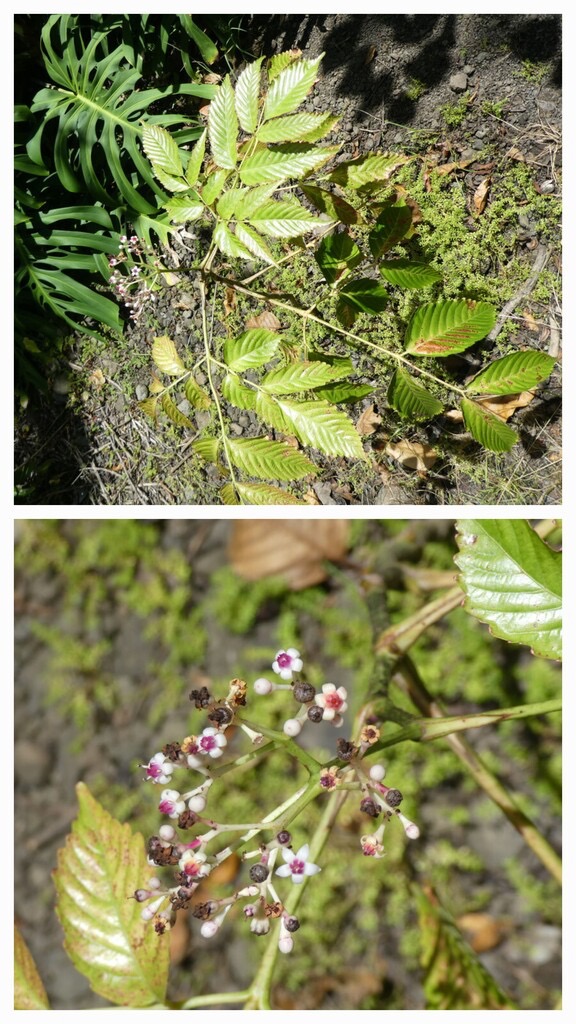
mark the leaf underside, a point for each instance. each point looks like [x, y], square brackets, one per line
[487, 428]
[448, 326]
[410, 399]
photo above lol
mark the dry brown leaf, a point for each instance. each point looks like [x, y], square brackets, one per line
[413, 455]
[229, 301]
[529, 322]
[515, 154]
[480, 197]
[97, 379]
[483, 931]
[311, 498]
[371, 53]
[293, 549]
[455, 165]
[505, 405]
[368, 421]
[267, 320]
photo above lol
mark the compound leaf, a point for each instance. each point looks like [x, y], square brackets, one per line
[296, 128]
[487, 428]
[256, 494]
[344, 391]
[410, 399]
[102, 864]
[253, 348]
[409, 273]
[390, 228]
[247, 92]
[237, 393]
[279, 61]
[291, 87]
[300, 377]
[252, 241]
[183, 209]
[512, 581]
[274, 460]
[517, 372]
[289, 161]
[195, 159]
[448, 326]
[363, 295]
[207, 448]
[321, 426]
[229, 244]
[173, 412]
[284, 219]
[223, 126]
[29, 991]
[213, 186]
[165, 355]
[366, 169]
[197, 396]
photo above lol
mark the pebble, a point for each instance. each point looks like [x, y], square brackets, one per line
[468, 69]
[324, 494]
[458, 82]
[200, 378]
[185, 407]
[203, 418]
[244, 420]
[141, 392]
[236, 428]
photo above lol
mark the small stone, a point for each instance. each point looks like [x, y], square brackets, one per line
[203, 418]
[185, 407]
[458, 82]
[482, 56]
[244, 420]
[477, 144]
[141, 392]
[468, 69]
[200, 378]
[235, 428]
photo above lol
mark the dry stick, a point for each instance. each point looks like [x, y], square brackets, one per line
[522, 293]
[407, 676]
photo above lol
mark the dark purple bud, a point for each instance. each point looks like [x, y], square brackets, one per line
[284, 837]
[394, 797]
[304, 692]
[369, 807]
[259, 873]
[315, 713]
[292, 924]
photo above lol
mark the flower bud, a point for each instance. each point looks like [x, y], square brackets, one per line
[368, 806]
[284, 837]
[292, 727]
[315, 714]
[377, 772]
[263, 687]
[393, 798]
[259, 873]
[304, 692]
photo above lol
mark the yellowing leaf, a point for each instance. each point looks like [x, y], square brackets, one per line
[166, 357]
[100, 867]
[29, 992]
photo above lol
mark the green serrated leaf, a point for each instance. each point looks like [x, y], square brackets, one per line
[391, 227]
[247, 92]
[207, 448]
[213, 186]
[223, 126]
[254, 243]
[195, 160]
[169, 181]
[229, 244]
[511, 374]
[302, 376]
[29, 992]
[409, 273]
[161, 150]
[291, 87]
[173, 412]
[284, 219]
[273, 460]
[149, 406]
[197, 396]
[237, 393]
[279, 61]
[320, 425]
[487, 428]
[363, 295]
[366, 169]
[268, 410]
[230, 201]
[334, 206]
[344, 391]
[165, 355]
[229, 495]
[183, 209]
[259, 494]
[448, 326]
[101, 866]
[410, 399]
[337, 254]
[290, 161]
[512, 581]
[252, 349]
[253, 199]
[454, 979]
[294, 128]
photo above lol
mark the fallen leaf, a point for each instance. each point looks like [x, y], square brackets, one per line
[97, 378]
[505, 405]
[480, 196]
[267, 320]
[483, 931]
[311, 498]
[294, 549]
[455, 165]
[413, 455]
[368, 421]
[371, 53]
[529, 322]
[515, 154]
[229, 301]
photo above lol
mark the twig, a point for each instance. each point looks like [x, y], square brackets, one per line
[522, 293]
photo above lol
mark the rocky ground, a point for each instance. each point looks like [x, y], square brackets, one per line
[389, 78]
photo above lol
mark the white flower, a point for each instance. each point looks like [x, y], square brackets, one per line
[332, 701]
[171, 803]
[210, 744]
[287, 662]
[158, 769]
[297, 865]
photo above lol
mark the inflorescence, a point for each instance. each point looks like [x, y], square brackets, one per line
[134, 273]
[193, 860]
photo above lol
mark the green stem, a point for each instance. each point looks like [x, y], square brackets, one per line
[398, 639]
[213, 999]
[409, 677]
[208, 354]
[293, 748]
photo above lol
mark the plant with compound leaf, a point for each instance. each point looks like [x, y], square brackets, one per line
[257, 178]
[118, 900]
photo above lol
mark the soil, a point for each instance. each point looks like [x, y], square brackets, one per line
[388, 77]
[52, 755]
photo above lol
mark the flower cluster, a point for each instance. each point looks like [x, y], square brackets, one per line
[327, 706]
[134, 275]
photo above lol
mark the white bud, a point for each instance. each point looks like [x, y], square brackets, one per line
[377, 772]
[167, 832]
[209, 929]
[412, 831]
[197, 803]
[292, 727]
[263, 687]
[286, 944]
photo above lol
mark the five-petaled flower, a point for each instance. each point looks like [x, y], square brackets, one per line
[192, 863]
[171, 803]
[287, 662]
[158, 769]
[209, 744]
[332, 701]
[297, 865]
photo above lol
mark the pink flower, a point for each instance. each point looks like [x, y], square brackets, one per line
[158, 769]
[287, 662]
[209, 744]
[193, 865]
[171, 803]
[332, 701]
[371, 847]
[297, 865]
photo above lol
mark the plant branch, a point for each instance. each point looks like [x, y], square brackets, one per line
[398, 639]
